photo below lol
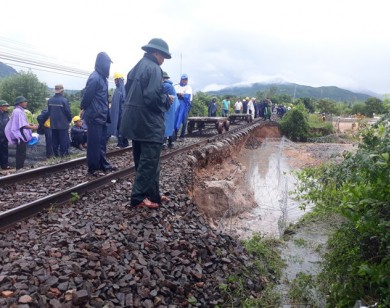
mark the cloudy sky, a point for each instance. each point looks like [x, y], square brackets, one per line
[345, 43]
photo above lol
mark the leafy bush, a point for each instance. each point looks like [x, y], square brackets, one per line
[199, 105]
[295, 125]
[357, 265]
[318, 127]
[26, 84]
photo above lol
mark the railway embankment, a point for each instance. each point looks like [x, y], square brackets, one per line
[96, 251]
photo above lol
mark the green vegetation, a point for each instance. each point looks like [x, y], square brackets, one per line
[302, 290]
[357, 264]
[74, 197]
[264, 270]
[200, 104]
[295, 124]
[26, 84]
[295, 91]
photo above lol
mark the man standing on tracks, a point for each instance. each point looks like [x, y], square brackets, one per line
[184, 94]
[143, 122]
[168, 89]
[4, 118]
[95, 112]
[60, 117]
[225, 106]
[212, 110]
[116, 110]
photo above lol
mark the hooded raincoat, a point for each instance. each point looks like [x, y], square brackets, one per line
[96, 114]
[95, 99]
[170, 114]
[116, 109]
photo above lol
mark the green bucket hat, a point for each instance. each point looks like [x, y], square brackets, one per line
[165, 75]
[159, 45]
[3, 103]
[20, 99]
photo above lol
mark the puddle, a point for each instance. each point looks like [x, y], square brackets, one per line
[268, 175]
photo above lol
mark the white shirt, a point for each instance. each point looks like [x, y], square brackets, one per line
[238, 105]
[184, 90]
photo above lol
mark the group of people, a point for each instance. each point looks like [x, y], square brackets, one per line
[257, 108]
[53, 123]
[15, 129]
[146, 109]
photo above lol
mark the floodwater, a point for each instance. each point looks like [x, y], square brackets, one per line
[269, 176]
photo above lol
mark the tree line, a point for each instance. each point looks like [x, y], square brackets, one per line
[28, 85]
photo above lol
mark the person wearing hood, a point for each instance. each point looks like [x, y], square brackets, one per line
[168, 89]
[4, 118]
[184, 93]
[118, 99]
[143, 121]
[18, 131]
[95, 112]
[212, 110]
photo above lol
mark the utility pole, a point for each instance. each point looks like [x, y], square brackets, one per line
[295, 89]
[181, 64]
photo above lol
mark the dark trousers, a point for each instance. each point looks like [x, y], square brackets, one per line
[79, 139]
[184, 124]
[49, 145]
[122, 142]
[96, 150]
[60, 140]
[20, 157]
[4, 153]
[147, 180]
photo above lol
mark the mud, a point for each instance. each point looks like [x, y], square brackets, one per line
[249, 193]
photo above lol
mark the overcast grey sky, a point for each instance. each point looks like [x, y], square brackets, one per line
[217, 43]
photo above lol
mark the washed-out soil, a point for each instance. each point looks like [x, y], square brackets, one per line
[222, 192]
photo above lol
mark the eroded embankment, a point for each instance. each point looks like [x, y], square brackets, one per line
[219, 188]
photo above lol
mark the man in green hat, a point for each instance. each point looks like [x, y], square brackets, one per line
[143, 122]
[4, 118]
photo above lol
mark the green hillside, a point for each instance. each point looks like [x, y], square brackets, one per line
[294, 90]
[6, 70]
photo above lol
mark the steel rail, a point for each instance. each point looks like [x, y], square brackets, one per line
[42, 171]
[12, 216]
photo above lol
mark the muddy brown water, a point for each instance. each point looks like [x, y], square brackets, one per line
[270, 179]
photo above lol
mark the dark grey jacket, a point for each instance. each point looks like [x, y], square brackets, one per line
[59, 112]
[143, 117]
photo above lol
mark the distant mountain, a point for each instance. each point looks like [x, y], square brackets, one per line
[6, 70]
[295, 90]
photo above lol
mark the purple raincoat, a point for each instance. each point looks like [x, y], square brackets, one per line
[14, 130]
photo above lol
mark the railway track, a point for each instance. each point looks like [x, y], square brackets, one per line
[63, 195]
[43, 171]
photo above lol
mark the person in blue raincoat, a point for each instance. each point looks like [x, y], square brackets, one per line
[118, 99]
[167, 88]
[95, 112]
[184, 93]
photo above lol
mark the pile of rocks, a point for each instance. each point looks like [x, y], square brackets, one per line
[99, 252]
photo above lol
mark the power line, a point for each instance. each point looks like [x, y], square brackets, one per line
[21, 55]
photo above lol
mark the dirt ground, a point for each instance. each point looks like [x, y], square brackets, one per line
[302, 250]
[312, 154]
